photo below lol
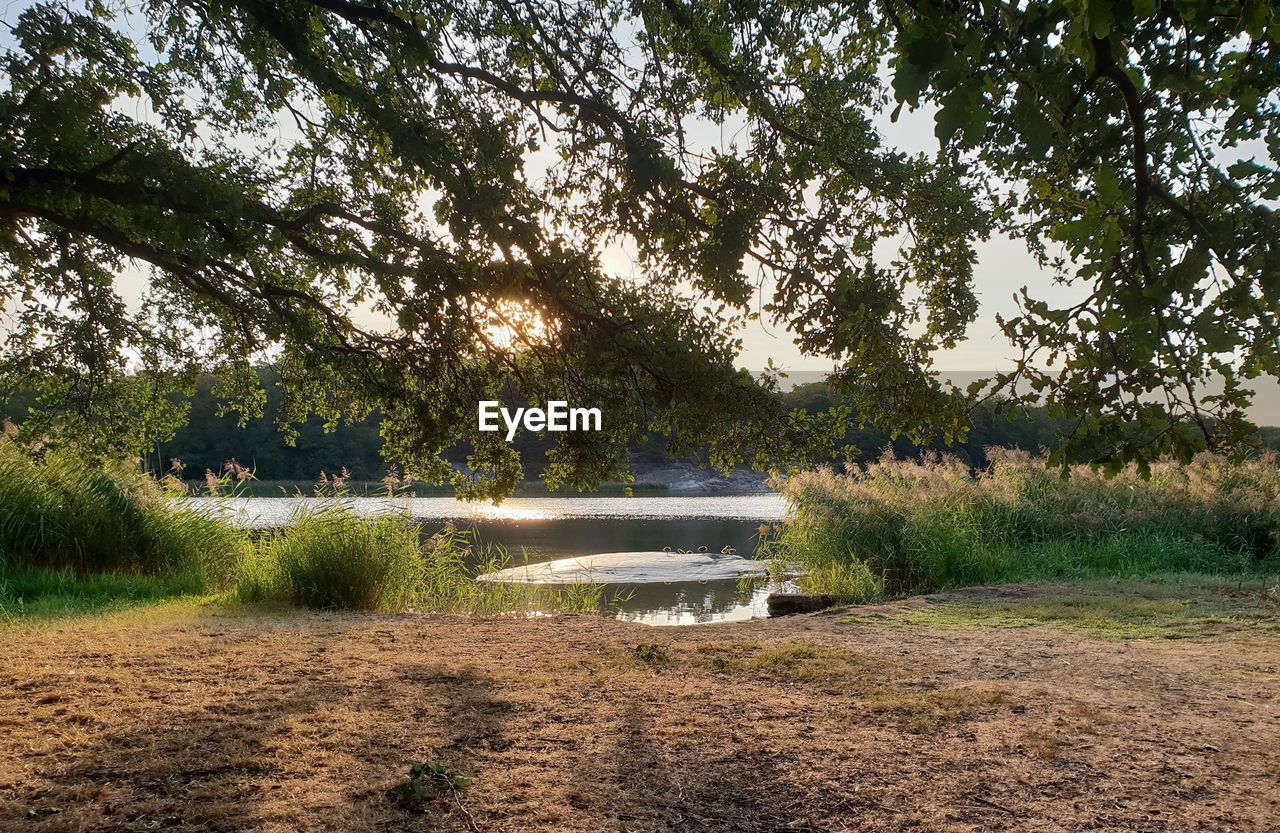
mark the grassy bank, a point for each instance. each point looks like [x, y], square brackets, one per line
[46, 593]
[80, 536]
[903, 526]
[1162, 606]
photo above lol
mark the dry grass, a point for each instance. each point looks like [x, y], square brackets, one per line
[210, 719]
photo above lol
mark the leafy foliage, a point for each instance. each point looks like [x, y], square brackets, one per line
[406, 205]
[1140, 139]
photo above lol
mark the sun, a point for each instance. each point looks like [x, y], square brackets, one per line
[511, 326]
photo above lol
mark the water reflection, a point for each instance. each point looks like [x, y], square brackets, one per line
[545, 540]
[259, 512]
[543, 529]
[694, 603]
[667, 603]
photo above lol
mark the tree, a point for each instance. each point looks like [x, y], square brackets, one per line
[403, 204]
[1113, 122]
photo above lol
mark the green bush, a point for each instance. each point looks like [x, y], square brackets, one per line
[919, 526]
[333, 558]
[59, 510]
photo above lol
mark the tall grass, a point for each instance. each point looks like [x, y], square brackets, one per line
[63, 511]
[333, 558]
[453, 560]
[901, 526]
[78, 535]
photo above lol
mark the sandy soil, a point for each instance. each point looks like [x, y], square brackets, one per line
[221, 720]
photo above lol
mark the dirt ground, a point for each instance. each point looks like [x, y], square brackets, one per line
[219, 719]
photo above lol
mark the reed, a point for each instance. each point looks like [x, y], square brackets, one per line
[61, 511]
[332, 557]
[928, 524]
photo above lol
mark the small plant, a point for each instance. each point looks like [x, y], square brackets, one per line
[652, 654]
[427, 782]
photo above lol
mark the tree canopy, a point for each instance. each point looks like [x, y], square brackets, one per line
[403, 204]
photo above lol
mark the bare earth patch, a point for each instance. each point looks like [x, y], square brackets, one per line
[223, 720]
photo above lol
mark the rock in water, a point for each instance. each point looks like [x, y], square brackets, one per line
[631, 568]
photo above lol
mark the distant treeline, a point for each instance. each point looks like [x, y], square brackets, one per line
[209, 440]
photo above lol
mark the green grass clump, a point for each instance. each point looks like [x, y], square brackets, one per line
[336, 559]
[332, 557]
[60, 510]
[907, 526]
[426, 782]
[652, 654]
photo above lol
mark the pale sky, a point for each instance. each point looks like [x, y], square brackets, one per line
[1004, 266]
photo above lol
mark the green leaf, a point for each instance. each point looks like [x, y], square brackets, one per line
[1100, 17]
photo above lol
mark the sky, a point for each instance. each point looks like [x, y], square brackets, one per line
[1003, 267]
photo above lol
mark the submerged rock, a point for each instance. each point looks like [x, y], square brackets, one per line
[631, 568]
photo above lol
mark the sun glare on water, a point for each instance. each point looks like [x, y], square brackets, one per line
[507, 512]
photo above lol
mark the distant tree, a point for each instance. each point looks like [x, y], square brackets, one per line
[210, 439]
[1269, 438]
[402, 206]
[993, 423]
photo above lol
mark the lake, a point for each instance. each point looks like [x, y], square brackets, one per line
[546, 528]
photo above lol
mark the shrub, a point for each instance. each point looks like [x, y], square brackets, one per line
[918, 526]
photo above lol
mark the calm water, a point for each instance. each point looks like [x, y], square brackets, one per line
[555, 527]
